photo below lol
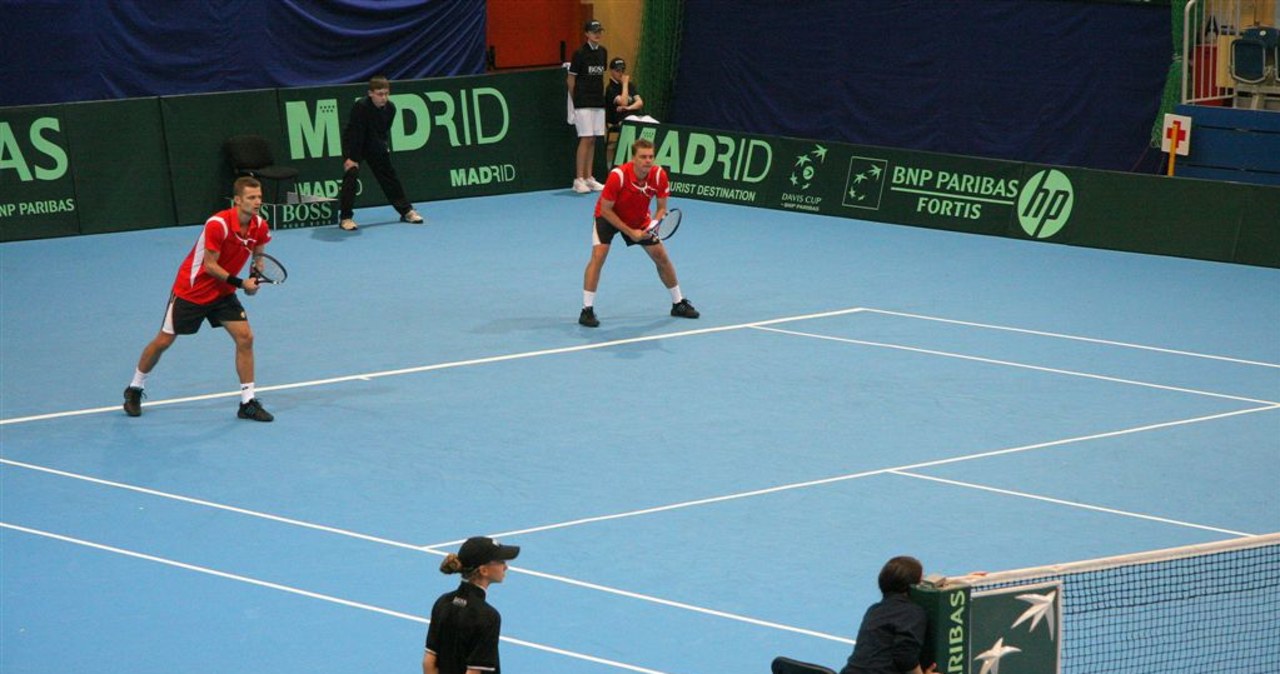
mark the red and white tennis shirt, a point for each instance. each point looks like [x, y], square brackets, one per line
[223, 234]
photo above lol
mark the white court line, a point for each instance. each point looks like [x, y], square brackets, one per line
[309, 594]
[1072, 504]
[1040, 333]
[419, 548]
[879, 471]
[210, 504]
[646, 511]
[441, 366]
[667, 602]
[1009, 363]
[657, 509]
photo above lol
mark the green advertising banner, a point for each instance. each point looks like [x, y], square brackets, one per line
[453, 137]
[37, 192]
[121, 169]
[195, 128]
[1017, 630]
[869, 183]
[1227, 222]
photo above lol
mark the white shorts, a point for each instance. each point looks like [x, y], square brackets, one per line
[589, 121]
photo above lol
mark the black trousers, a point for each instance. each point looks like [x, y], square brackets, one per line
[386, 176]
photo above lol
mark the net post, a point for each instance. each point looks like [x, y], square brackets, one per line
[946, 642]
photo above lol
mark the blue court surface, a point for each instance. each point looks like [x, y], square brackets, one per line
[691, 497]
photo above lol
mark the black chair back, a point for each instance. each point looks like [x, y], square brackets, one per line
[783, 665]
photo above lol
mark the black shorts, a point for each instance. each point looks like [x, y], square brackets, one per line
[184, 318]
[605, 232]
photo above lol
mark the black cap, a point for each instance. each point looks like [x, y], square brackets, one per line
[618, 64]
[480, 550]
[592, 26]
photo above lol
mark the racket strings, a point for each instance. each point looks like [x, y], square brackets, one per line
[269, 269]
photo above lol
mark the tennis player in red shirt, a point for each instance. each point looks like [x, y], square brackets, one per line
[623, 208]
[205, 289]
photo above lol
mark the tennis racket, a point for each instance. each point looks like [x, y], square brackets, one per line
[666, 227]
[267, 269]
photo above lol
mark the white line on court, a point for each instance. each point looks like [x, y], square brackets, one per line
[759, 325]
[1073, 504]
[673, 604]
[209, 504]
[1009, 363]
[368, 376]
[646, 511]
[308, 594]
[419, 548]
[1059, 335]
[881, 471]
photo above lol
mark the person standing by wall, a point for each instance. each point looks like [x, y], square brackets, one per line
[586, 87]
[365, 139]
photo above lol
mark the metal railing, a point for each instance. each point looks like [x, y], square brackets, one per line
[1209, 28]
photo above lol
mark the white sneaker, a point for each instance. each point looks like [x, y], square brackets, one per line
[412, 217]
[580, 186]
[594, 184]
[348, 224]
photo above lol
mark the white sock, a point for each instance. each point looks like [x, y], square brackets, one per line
[676, 295]
[246, 393]
[139, 379]
[588, 298]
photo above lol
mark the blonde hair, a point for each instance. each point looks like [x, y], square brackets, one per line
[452, 565]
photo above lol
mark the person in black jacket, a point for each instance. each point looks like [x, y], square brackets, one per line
[891, 637]
[463, 635]
[365, 140]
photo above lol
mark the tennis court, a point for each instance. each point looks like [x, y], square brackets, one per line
[691, 497]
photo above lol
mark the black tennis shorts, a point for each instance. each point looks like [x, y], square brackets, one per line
[606, 231]
[184, 318]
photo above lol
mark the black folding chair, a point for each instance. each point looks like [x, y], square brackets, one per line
[250, 155]
[783, 665]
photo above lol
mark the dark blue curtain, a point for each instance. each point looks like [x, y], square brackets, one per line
[75, 50]
[1052, 81]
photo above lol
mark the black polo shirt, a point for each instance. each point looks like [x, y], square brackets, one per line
[588, 66]
[464, 631]
[890, 639]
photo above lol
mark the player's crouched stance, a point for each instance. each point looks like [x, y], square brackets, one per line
[206, 290]
[623, 207]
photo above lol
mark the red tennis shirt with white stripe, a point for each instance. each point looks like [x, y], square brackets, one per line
[223, 234]
[631, 196]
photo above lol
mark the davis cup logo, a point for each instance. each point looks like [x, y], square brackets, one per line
[1044, 205]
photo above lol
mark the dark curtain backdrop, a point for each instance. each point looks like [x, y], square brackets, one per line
[1052, 81]
[54, 51]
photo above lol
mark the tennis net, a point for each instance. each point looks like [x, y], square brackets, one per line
[1202, 608]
